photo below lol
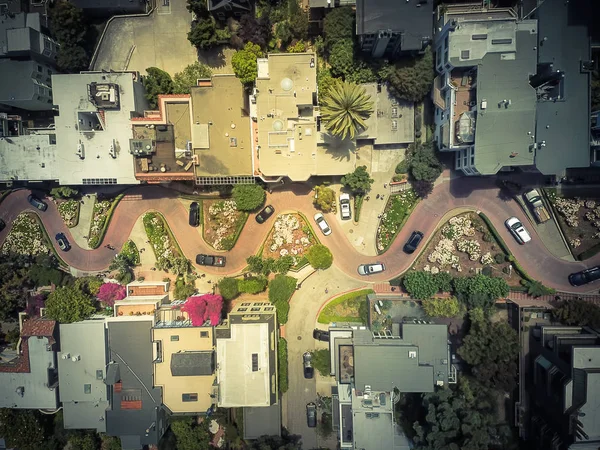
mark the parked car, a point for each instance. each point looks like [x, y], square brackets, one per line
[345, 210]
[321, 335]
[585, 276]
[63, 243]
[194, 214]
[309, 372]
[210, 260]
[311, 415]
[266, 212]
[413, 242]
[323, 225]
[2, 225]
[518, 230]
[370, 269]
[37, 203]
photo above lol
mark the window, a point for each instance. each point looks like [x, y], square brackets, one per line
[39, 69]
[174, 338]
[99, 181]
[254, 362]
[99, 374]
[189, 397]
[246, 304]
[242, 309]
[49, 72]
[254, 309]
[87, 388]
[204, 334]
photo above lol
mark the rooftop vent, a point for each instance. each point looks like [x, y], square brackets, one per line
[479, 37]
[254, 362]
[412, 354]
[505, 41]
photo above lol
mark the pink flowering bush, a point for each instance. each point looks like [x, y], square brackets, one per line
[34, 304]
[109, 293]
[201, 308]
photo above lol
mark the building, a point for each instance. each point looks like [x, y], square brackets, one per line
[388, 29]
[286, 130]
[108, 8]
[392, 124]
[89, 142]
[372, 368]
[27, 61]
[564, 388]
[28, 374]
[247, 357]
[499, 73]
[224, 9]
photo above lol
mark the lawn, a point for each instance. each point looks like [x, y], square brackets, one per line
[69, 211]
[223, 223]
[26, 237]
[397, 210]
[350, 307]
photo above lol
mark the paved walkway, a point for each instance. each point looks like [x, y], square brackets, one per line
[82, 230]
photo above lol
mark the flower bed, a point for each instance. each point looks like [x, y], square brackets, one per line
[463, 246]
[397, 211]
[131, 252]
[26, 238]
[290, 235]
[159, 238]
[69, 211]
[222, 223]
[580, 221]
[100, 214]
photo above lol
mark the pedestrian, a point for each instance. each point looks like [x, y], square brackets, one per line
[368, 197]
[377, 197]
[326, 291]
[379, 216]
[393, 289]
[385, 185]
[382, 197]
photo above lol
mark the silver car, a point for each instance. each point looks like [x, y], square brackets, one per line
[370, 269]
[518, 230]
[323, 225]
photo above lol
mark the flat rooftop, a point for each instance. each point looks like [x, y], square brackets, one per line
[586, 361]
[220, 128]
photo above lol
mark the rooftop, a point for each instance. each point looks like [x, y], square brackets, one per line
[262, 421]
[20, 32]
[221, 128]
[17, 84]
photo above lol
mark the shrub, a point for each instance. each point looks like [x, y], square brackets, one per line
[499, 258]
[252, 285]
[183, 290]
[283, 310]
[487, 271]
[111, 292]
[487, 237]
[229, 288]
[402, 167]
[283, 264]
[68, 304]
[64, 192]
[443, 280]
[248, 197]
[321, 361]
[536, 288]
[441, 307]
[324, 198]
[319, 256]
[282, 362]
[420, 285]
[281, 289]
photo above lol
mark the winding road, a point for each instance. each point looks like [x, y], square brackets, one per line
[472, 193]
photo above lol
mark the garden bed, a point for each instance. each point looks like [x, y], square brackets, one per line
[346, 308]
[396, 213]
[160, 239]
[290, 235]
[26, 237]
[465, 246]
[69, 211]
[131, 252]
[579, 219]
[223, 223]
[102, 213]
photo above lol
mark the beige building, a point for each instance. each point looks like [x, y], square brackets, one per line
[286, 130]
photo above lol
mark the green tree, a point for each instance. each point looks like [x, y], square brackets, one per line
[480, 291]
[72, 58]
[188, 77]
[180, 266]
[13, 282]
[252, 285]
[248, 197]
[198, 7]
[324, 198]
[324, 78]
[412, 78]
[84, 441]
[338, 25]
[190, 435]
[319, 257]
[577, 312]
[491, 349]
[282, 365]
[536, 288]
[21, 429]
[341, 58]
[68, 304]
[443, 280]
[345, 109]
[64, 192]
[68, 25]
[283, 264]
[244, 63]
[281, 289]
[183, 290]
[228, 288]
[424, 163]
[442, 307]
[156, 82]
[204, 34]
[420, 284]
[358, 181]
[260, 265]
[321, 361]
[298, 47]
[298, 20]
[110, 443]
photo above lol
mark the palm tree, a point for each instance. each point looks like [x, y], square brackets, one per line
[345, 109]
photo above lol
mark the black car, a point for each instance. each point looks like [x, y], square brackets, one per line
[321, 335]
[194, 214]
[309, 372]
[63, 243]
[2, 225]
[585, 276]
[311, 415]
[210, 260]
[413, 242]
[37, 203]
[266, 212]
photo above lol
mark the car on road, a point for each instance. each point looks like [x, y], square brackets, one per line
[518, 230]
[266, 212]
[37, 203]
[311, 415]
[370, 269]
[2, 225]
[345, 210]
[309, 372]
[323, 225]
[62, 242]
[585, 276]
[321, 335]
[194, 214]
[413, 242]
[210, 260]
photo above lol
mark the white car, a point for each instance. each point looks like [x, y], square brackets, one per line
[518, 230]
[370, 269]
[322, 224]
[345, 206]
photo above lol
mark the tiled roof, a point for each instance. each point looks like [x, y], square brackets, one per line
[144, 290]
[39, 327]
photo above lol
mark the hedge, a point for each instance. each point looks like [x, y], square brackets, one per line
[326, 318]
[252, 285]
[282, 361]
[358, 201]
[102, 233]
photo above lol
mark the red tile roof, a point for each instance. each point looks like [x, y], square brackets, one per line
[39, 327]
[143, 290]
[131, 404]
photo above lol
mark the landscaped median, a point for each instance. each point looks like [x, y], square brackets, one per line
[69, 211]
[26, 237]
[166, 249]
[349, 307]
[102, 213]
[222, 223]
[396, 213]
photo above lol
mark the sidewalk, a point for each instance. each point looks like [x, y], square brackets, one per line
[82, 228]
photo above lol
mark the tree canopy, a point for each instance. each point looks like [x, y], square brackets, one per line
[13, 282]
[21, 429]
[577, 312]
[244, 62]
[253, 29]
[412, 78]
[424, 163]
[319, 256]
[69, 27]
[341, 58]
[345, 109]
[188, 77]
[442, 307]
[157, 82]
[68, 304]
[248, 197]
[359, 181]
[206, 33]
[228, 288]
[420, 284]
[190, 435]
[324, 198]
[338, 25]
